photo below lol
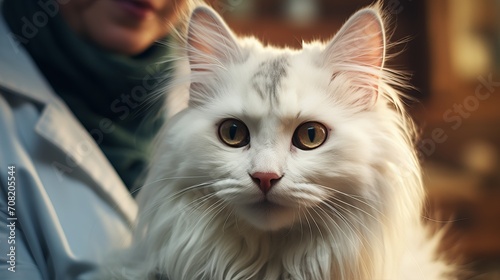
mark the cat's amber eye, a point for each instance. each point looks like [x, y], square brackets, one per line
[309, 135]
[234, 133]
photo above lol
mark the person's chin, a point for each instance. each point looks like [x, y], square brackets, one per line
[125, 41]
[125, 36]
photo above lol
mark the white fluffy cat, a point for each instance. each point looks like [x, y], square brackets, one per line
[284, 164]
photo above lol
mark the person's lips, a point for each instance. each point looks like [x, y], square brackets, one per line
[139, 9]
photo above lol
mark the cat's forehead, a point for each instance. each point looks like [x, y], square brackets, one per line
[281, 83]
[269, 75]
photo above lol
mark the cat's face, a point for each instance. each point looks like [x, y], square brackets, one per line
[282, 136]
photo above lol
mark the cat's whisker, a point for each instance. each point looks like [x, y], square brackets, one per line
[230, 214]
[317, 226]
[166, 179]
[338, 200]
[359, 198]
[220, 205]
[292, 228]
[175, 195]
[327, 217]
[149, 210]
[443, 221]
[195, 205]
[301, 227]
[363, 239]
[354, 198]
[307, 220]
[377, 211]
[374, 241]
[337, 208]
[349, 227]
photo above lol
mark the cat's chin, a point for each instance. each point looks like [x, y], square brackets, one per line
[268, 216]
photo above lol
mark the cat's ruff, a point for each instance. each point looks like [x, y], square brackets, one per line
[346, 209]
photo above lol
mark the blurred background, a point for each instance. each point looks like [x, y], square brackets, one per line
[451, 49]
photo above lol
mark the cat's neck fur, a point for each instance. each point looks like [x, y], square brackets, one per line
[222, 246]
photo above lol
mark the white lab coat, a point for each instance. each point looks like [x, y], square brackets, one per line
[71, 207]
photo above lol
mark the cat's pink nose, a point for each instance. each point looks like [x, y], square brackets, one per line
[265, 180]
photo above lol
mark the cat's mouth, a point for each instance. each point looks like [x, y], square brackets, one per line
[267, 205]
[268, 215]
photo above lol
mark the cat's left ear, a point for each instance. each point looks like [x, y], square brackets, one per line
[209, 41]
[211, 46]
[358, 49]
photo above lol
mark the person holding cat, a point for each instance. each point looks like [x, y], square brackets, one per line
[74, 135]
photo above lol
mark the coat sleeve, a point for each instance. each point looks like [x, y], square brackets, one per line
[64, 228]
[16, 259]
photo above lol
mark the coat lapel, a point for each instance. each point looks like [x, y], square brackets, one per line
[58, 126]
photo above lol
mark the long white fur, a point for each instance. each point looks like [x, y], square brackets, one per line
[353, 205]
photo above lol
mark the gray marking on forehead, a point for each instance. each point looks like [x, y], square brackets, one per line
[267, 80]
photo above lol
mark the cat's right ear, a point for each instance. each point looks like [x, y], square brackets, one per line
[210, 43]
[358, 50]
